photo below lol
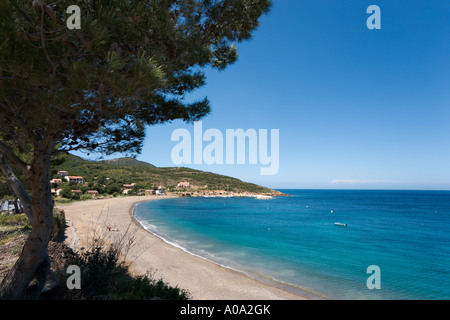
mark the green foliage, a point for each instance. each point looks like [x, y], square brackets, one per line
[113, 188]
[13, 226]
[75, 196]
[127, 161]
[147, 177]
[131, 64]
[59, 223]
[104, 275]
[86, 197]
[66, 192]
[59, 217]
[14, 220]
[59, 201]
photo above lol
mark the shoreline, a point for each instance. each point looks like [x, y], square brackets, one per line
[204, 279]
[304, 294]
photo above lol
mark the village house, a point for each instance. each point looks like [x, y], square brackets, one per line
[93, 192]
[63, 173]
[76, 179]
[183, 185]
[128, 187]
[55, 182]
[159, 190]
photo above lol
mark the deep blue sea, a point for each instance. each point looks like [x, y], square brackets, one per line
[294, 242]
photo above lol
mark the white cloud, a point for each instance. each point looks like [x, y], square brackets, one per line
[358, 181]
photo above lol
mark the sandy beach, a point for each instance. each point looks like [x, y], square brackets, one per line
[203, 279]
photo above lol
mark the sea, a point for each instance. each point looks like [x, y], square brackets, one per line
[294, 242]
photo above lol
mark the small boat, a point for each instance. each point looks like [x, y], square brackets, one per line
[340, 224]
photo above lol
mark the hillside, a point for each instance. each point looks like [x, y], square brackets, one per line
[146, 176]
[127, 161]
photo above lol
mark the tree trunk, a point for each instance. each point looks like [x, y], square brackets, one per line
[16, 186]
[27, 278]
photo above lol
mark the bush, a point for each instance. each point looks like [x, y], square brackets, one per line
[86, 197]
[14, 220]
[75, 196]
[104, 275]
[66, 192]
[59, 223]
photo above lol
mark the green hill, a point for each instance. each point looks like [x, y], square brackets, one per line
[113, 174]
[127, 161]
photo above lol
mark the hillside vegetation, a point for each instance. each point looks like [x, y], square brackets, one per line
[113, 174]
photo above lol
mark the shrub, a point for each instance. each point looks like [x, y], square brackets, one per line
[66, 192]
[105, 275]
[75, 196]
[59, 223]
[14, 220]
[86, 197]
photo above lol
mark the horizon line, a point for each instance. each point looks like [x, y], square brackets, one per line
[360, 189]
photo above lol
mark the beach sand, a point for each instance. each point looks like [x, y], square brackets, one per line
[203, 279]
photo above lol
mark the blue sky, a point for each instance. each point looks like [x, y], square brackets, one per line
[356, 108]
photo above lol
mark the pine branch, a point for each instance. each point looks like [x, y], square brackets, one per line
[11, 156]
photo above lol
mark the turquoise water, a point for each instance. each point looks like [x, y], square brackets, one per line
[294, 241]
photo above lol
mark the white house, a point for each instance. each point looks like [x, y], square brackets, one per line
[183, 185]
[76, 179]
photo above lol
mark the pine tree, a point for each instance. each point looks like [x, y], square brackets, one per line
[130, 65]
